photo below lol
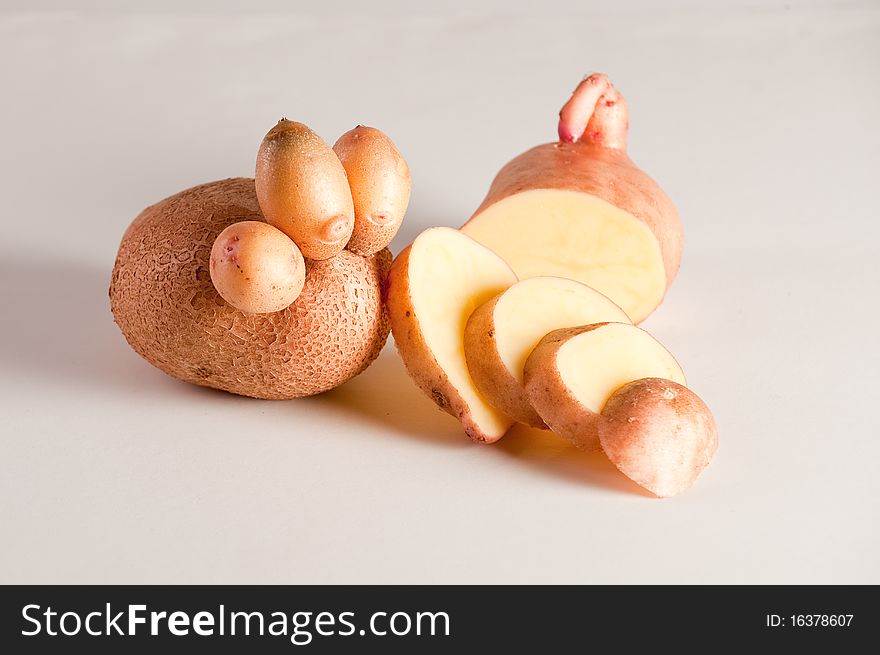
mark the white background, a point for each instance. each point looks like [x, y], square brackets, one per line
[760, 120]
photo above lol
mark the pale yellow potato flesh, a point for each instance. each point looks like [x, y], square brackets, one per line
[594, 364]
[500, 335]
[531, 308]
[450, 275]
[563, 233]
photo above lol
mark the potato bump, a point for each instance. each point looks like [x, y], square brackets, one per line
[256, 268]
[303, 190]
[380, 186]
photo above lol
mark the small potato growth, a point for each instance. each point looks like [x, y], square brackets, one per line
[256, 268]
[660, 434]
[303, 190]
[380, 187]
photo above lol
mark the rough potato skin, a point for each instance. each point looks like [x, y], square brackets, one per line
[420, 363]
[607, 173]
[488, 371]
[164, 302]
[659, 433]
[555, 403]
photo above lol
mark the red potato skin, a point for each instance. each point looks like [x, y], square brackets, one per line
[420, 363]
[552, 399]
[580, 427]
[659, 433]
[606, 173]
[595, 112]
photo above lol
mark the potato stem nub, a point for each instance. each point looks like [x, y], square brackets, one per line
[595, 113]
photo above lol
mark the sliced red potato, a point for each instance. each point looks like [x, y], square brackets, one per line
[500, 335]
[580, 208]
[572, 372]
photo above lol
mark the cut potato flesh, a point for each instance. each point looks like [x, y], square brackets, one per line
[576, 235]
[450, 275]
[500, 335]
[531, 308]
[594, 364]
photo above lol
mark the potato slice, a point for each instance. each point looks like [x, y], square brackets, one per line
[501, 334]
[659, 434]
[433, 287]
[572, 372]
[577, 235]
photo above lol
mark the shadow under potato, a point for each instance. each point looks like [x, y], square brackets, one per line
[551, 454]
[385, 394]
[57, 327]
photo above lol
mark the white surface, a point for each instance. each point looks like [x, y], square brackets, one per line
[761, 123]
